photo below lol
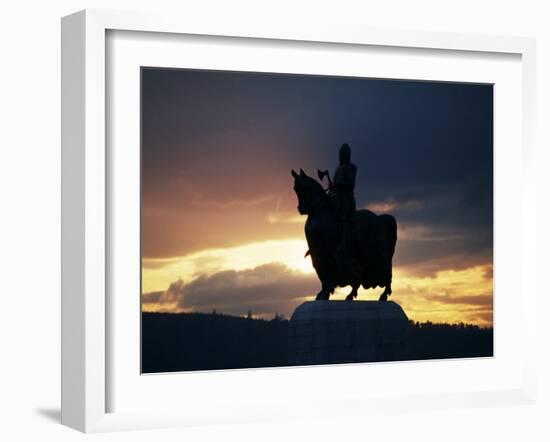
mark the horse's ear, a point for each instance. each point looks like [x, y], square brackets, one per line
[294, 174]
[302, 172]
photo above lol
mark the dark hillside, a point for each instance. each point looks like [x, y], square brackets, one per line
[198, 341]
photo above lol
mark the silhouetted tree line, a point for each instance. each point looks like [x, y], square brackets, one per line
[440, 325]
[202, 341]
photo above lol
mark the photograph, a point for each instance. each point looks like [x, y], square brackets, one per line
[299, 220]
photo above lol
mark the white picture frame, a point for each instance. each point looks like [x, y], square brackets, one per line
[86, 317]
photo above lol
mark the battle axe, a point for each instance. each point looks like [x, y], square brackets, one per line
[322, 174]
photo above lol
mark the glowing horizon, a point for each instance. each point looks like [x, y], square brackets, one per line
[423, 297]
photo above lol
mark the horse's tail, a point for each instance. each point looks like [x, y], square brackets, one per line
[391, 230]
[391, 226]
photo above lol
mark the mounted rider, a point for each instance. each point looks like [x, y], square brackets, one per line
[343, 187]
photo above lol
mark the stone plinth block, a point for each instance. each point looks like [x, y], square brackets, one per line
[332, 332]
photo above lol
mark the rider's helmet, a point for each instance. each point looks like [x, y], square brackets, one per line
[345, 154]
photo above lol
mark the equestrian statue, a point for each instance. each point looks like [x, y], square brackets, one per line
[348, 247]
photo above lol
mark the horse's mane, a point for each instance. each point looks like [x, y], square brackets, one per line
[318, 188]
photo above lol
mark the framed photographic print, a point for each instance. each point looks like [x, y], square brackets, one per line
[294, 218]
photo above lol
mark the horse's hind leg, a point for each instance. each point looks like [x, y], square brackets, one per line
[387, 292]
[387, 288]
[353, 293]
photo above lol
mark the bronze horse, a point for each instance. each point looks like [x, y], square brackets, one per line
[373, 242]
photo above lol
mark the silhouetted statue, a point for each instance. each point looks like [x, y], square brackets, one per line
[347, 246]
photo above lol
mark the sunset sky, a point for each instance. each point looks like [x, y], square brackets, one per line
[220, 228]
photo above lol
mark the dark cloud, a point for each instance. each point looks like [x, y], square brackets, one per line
[425, 249]
[174, 294]
[430, 267]
[266, 290]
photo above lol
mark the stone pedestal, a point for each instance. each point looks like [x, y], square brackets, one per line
[332, 332]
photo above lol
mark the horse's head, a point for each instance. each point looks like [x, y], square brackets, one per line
[310, 193]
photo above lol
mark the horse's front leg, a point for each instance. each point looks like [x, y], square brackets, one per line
[323, 270]
[323, 295]
[327, 288]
